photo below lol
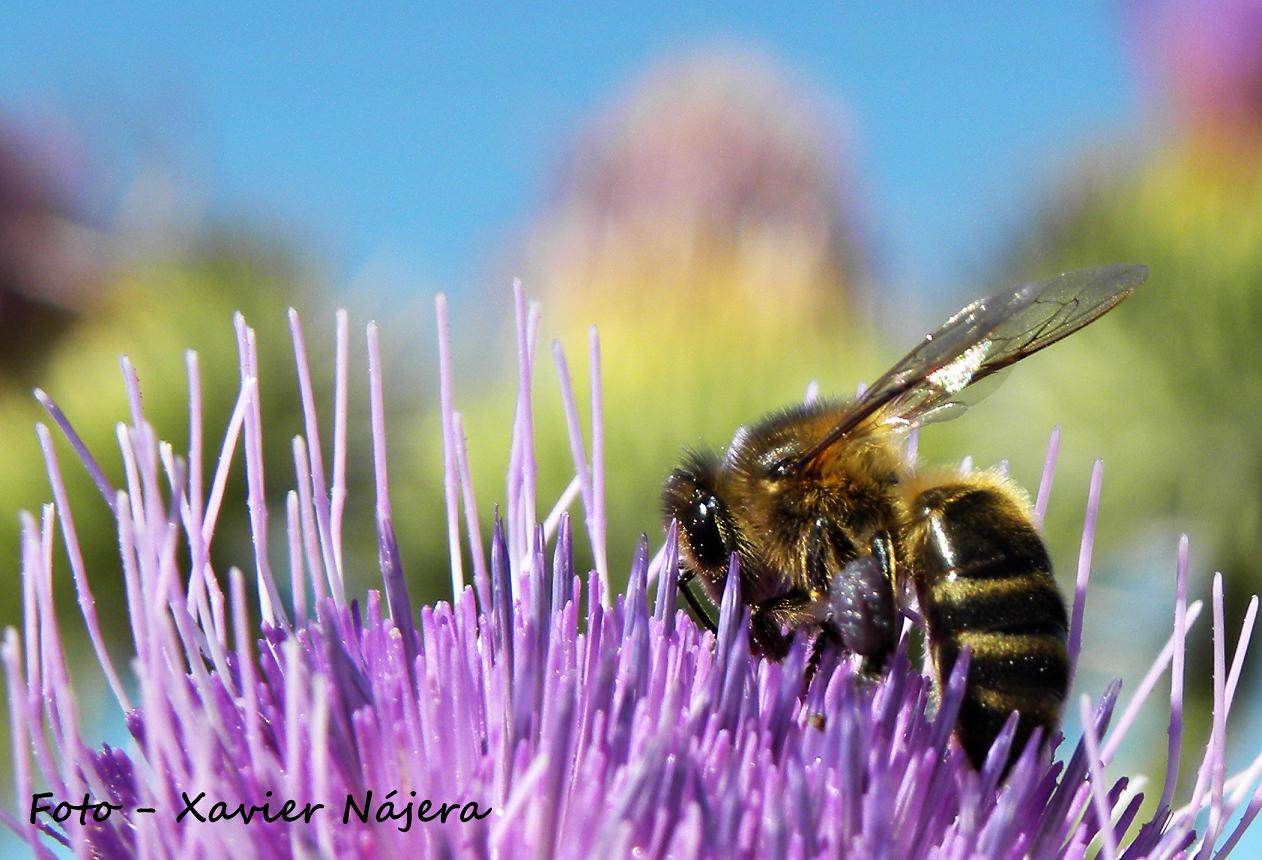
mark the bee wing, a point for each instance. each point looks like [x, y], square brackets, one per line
[979, 340]
[951, 408]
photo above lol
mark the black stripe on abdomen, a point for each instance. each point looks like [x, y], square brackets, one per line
[984, 582]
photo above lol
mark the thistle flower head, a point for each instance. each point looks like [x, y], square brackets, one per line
[542, 713]
[721, 175]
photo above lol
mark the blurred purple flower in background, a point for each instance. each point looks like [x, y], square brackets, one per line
[51, 257]
[717, 172]
[546, 715]
[1207, 58]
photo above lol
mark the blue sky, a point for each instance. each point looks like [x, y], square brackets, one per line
[426, 133]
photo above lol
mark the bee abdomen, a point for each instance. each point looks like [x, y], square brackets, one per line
[984, 581]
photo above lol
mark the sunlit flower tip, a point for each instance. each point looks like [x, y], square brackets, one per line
[536, 714]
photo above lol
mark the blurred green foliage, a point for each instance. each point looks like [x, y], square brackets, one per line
[1185, 348]
[1168, 389]
[152, 312]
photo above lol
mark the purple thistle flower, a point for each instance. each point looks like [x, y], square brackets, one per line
[1208, 59]
[537, 714]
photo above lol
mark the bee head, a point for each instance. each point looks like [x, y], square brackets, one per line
[689, 497]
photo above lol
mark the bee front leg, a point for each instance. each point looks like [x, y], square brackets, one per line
[861, 604]
[769, 620]
[685, 577]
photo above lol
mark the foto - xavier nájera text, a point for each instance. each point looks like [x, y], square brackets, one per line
[400, 809]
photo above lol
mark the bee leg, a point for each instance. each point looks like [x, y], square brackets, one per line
[816, 657]
[862, 607]
[685, 577]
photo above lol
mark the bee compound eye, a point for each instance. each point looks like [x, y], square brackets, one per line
[705, 537]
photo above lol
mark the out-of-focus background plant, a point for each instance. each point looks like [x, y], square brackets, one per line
[796, 201]
[75, 295]
[705, 223]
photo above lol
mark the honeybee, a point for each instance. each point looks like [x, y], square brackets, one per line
[829, 522]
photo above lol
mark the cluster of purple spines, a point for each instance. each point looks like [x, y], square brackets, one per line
[588, 724]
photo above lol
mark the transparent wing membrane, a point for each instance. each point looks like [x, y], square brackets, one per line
[928, 383]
